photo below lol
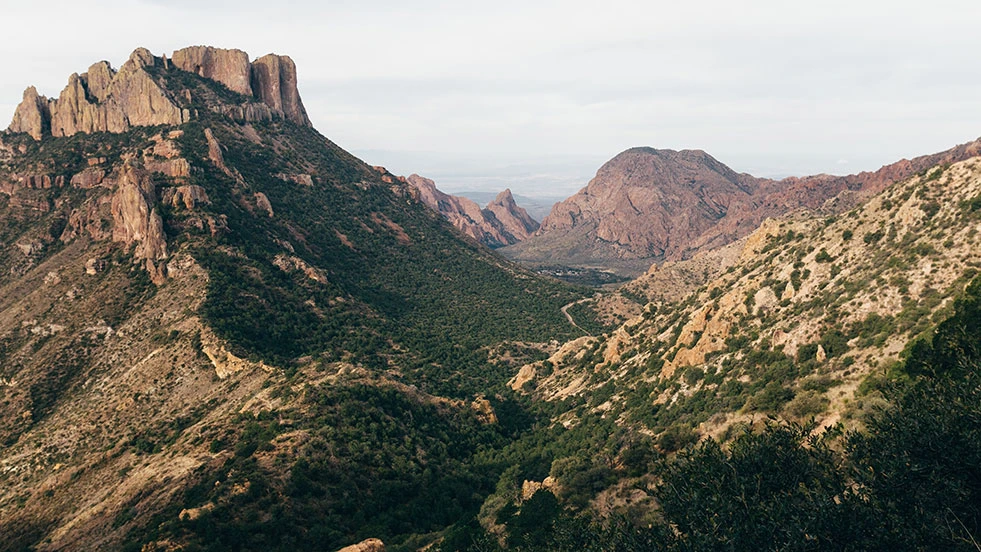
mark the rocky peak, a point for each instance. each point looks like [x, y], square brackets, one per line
[501, 223]
[514, 218]
[646, 203]
[103, 100]
[98, 78]
[274, 83]
[32, 115]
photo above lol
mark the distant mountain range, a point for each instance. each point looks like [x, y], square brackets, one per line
[538, 207]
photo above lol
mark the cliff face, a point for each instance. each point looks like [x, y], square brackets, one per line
[103, 100]
[270, 79]
[503, 222]
[229, 67]
[274, 83]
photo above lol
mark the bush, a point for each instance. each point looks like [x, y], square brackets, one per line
[771, 399]
[805, 405]
[676, 438]
[823, 256]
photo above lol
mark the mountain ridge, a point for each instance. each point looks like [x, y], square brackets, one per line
[647, 205]
[502, 222]
[105, 100]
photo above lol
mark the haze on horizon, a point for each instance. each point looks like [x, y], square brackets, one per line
[540, 94]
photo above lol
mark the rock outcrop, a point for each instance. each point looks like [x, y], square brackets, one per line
[368, 545]
[501, 223]
[274, 83]
[32, 115]
[100, 100]
[103, 100]
[229, 67]
[136, 219]
[187, 196]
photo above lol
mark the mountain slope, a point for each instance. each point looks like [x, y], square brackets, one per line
[225, 299]
[647, 205]
[798, 315]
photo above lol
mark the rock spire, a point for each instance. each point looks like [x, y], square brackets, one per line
[104, 100]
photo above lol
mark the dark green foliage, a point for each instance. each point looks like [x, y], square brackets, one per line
[872, 237]
[532, 525]
[919, 464]
[834, 342]
[376, 463]
[780, 489]
[676, 438]
[771, 399]
[807, 352]
[956, 344]
[395, 271]
[588, 319]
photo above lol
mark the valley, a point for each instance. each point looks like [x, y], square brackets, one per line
[219, 330]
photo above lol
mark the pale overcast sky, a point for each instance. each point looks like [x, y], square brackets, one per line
[764, 86]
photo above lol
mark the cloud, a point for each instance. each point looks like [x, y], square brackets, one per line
[870, 81]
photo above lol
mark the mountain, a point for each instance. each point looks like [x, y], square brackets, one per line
[501, 223]
[647, 205]
[743, 372]
[787, 321]
[220, 330]
[226, 332]
[537, 207]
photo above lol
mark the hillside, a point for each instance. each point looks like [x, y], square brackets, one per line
[790, 321]
[813, 382]
[198, 287]
[649, 206]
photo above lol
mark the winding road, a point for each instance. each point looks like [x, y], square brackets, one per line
[565, 311]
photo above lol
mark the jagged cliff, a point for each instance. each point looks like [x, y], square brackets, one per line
[501, 223]
[104, 100]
